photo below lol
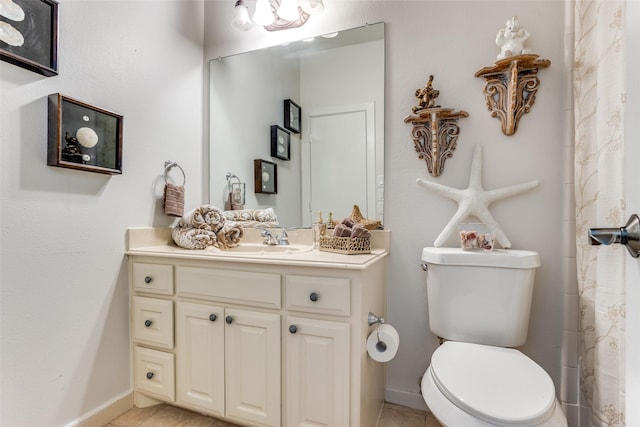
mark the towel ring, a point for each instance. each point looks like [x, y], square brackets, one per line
[168, 165]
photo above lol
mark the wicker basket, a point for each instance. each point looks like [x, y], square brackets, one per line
[346, 245]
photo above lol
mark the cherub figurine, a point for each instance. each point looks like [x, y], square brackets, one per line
[426, 96]
[511, 38]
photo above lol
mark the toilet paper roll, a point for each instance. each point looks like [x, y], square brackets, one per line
[382, 343]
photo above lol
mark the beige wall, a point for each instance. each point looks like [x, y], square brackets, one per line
[64, 298]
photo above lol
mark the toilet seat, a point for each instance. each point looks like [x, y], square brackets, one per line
[506, 387]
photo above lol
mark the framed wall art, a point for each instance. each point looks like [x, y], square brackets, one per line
[280, 143]
[83, 137]
[265, 176]
[292, 116]
[29, 35]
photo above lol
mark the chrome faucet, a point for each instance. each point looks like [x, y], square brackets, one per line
[283, 238]
[268, 238]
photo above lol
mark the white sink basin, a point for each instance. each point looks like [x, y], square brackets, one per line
[261, 249]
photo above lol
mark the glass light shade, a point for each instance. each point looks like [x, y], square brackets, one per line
[312, 7]
[288, 10]
[263, 15]
[241, 20]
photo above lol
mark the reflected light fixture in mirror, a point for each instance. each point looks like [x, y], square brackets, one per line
[275, 15]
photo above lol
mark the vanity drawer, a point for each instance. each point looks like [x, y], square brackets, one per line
[314, 294]
[153, 278]
[241, 287]
[153, 321]
[155, 373]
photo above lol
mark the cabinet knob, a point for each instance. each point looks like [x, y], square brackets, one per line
[228, 319]
[147, 323]
[148, 279]
[213, 317]
[314, 296]
[149, 375]
[293, 329]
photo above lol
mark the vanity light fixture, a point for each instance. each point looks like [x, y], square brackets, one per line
[263, 14]
[241, 19]
[275, 15]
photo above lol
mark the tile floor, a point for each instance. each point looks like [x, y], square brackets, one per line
[171, 416]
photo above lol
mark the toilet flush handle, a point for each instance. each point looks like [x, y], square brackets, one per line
[424, 266]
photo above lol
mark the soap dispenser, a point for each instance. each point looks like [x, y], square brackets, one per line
[319, 229]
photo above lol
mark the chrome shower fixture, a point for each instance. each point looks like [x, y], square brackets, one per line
[628, 235]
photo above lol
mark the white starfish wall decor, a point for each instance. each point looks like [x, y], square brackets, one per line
[475, 201]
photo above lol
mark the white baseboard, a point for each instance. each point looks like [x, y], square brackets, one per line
[404, 398]
[105, 413]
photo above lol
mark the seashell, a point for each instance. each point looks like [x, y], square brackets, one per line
[10, 35]
[10, 10]
[87, 137]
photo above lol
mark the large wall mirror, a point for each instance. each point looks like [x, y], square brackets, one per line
[336, 83]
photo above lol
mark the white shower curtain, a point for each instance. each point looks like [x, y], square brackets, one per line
[599, 98]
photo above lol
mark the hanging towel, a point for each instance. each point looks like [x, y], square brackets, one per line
[173, 202]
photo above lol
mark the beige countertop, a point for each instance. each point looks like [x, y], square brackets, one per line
[157, 242]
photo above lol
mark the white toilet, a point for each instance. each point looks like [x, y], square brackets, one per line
[479, 302]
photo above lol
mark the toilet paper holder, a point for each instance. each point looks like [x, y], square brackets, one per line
[372, 319]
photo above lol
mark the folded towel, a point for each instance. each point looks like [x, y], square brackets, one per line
[349, 222]
[341, 230]
[206, 217]
[230, 235]
[359, 230]
[193, 238]
[173, 202]
[206, 226]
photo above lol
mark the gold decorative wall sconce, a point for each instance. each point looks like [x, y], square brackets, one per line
[512, 82]
[435, 129]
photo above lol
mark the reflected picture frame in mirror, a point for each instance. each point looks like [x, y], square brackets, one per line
[265, 176]
[292, 116]
[280, 143]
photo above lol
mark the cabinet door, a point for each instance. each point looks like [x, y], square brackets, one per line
[253, 366]
[200, 357]
[317, 373]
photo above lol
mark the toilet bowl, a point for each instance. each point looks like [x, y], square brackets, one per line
[474, 385]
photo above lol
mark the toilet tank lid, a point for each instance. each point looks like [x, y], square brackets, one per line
[506, 258]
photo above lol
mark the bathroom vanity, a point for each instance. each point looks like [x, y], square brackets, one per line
[258, 338]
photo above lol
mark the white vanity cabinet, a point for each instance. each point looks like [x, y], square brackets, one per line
[318, 350]
[257, 342]
[228, 362]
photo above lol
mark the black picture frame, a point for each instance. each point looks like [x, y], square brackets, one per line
[280, 143]
[265, 175]
[33, 36]
[83, 137]
[292, 116]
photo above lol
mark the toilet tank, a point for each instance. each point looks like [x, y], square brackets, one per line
[481, 297]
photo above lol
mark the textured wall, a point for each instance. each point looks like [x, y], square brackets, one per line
[64, 296]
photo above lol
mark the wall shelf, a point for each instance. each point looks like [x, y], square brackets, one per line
[435, 135]
[510, 88]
